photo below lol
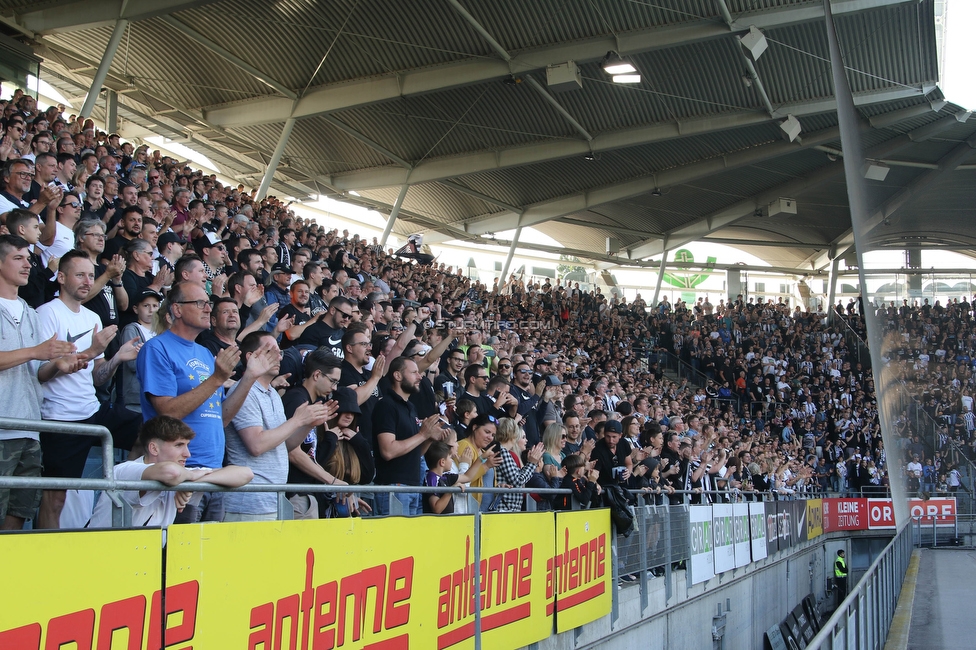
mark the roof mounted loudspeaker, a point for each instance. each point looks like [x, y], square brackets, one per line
[791, 127]
[754, 42]
[782, 206]
[875, 170]
[613, 246]
[563, 77]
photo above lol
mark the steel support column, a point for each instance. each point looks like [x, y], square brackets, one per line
[275, 158]
[511, 254]
[832, 288]
[111, 111]
[102, 71]
[393, 214]
[660, 278]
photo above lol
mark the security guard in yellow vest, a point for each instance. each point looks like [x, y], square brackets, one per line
[840, 576]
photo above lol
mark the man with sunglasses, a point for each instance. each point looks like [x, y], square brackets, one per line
[182, 379]
[17, 176]
[12, 143]
[328, 327]
[68, 215]
[213, 253]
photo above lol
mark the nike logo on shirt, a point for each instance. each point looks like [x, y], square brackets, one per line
[72, 339]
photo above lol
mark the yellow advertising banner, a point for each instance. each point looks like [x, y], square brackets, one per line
[90, 589]
[369, 584]
[814, 518]
[515, 551]
[580, 571]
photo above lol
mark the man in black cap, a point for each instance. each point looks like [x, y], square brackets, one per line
[541, 368]
[279, 289]
[170, 247]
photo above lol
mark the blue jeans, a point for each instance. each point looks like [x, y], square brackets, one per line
[410, 501]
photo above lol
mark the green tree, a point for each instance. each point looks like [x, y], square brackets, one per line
[569, 264]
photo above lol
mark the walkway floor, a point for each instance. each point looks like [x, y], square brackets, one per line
[943, 617]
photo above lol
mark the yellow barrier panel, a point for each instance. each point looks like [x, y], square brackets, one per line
[515, 551]
[369, 584]
[90, 590]
[814, 518]
[580, 570]
[334, 583]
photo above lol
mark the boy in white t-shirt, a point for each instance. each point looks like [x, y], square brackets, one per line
[165, 440]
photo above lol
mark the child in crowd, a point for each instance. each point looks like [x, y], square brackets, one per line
[465, 410]
[439, 457]
[39, 287]
[582, 481]
[146, 305]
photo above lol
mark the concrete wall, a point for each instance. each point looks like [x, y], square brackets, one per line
[755, 597]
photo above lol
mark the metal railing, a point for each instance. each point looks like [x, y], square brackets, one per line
[863, 619]
[768, 409]
[681, 369]
[70, 428]
[944, 530]
[855, 343]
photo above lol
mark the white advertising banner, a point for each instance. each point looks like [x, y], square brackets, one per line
[740, 533]
[702, 558]
[723, 537]
[757, 530]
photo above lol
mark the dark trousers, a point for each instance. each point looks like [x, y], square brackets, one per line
[841, 589]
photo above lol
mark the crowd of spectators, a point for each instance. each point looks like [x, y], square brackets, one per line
[256, 345]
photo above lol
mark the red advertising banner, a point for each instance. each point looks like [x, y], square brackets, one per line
[845, 514]
[881, 512]
[944, 509]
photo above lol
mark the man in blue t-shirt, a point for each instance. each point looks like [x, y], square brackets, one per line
[183, 380]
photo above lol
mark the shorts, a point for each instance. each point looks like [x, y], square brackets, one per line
[65, 454]
[305, 506]
[19, 457]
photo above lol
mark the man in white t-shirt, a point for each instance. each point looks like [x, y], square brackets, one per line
[166, 441]
[21, 353]
[914, 473]
[71, 397]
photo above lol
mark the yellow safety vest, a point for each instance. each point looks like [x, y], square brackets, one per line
[840, 567]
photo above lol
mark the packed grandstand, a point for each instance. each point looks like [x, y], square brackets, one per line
[324, 358]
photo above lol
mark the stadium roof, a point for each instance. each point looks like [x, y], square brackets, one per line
[449, 101]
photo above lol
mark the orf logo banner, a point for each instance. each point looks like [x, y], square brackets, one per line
[579, 573]
[702, 560]
[90, 590]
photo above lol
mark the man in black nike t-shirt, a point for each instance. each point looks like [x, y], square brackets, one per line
[328, 329]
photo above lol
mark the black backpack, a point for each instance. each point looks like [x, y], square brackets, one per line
[618, 500]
